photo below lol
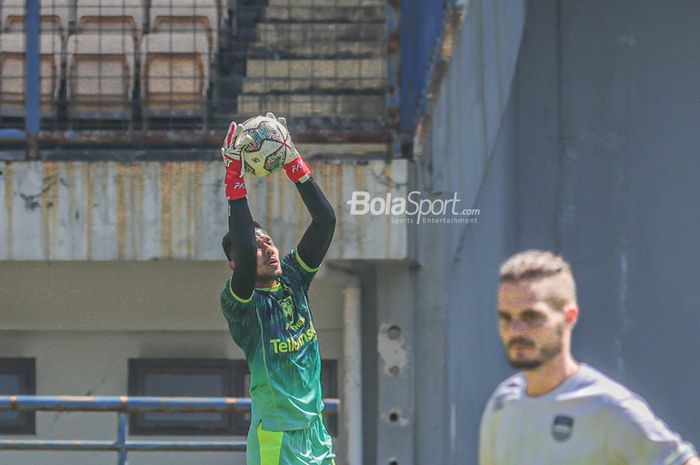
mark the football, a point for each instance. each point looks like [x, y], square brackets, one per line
[268, 148]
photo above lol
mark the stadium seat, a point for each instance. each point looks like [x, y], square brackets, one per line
[12, 73]
[55, 16]
[106, 16]
[101, 73]
[174, 74]
[186, 15]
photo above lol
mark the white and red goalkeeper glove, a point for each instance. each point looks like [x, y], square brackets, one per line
[295, 166]
[231, 152]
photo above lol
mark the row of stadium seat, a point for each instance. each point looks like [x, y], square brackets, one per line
[101, 72]
[134, 16]
[113, 59]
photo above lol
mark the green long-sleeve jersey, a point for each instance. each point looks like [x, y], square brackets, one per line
[275, 329]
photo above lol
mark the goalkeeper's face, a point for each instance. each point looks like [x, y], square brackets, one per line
[533, 330]
[269, 266]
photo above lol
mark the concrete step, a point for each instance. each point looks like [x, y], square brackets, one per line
[328, 32]
[324, 3]
[310, 69]
[339, 151]
[335, 49]
[312, 75]
[311, 105]
[261, 86]
[341, 14]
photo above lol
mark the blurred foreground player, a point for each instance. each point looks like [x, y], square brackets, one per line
[266, 305]
[558, 411]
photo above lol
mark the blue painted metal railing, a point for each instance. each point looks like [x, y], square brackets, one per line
[32, 73]
[124, 405]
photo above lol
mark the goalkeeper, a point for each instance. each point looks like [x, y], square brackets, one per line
[266, 305]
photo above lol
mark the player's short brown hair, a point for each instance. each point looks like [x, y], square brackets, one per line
[538, 264]
[227, 243]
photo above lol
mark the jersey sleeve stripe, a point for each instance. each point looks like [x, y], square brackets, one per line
[243, 301]
[304, 265]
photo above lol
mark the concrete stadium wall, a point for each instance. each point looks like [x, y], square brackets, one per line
[596, 157]
[82, 321]
[468, 150]
[177, 210]
[608, 164]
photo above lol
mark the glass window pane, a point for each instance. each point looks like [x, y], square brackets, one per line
[17, 377]
[187, 378]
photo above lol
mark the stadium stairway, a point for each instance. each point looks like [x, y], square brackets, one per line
[316, 60]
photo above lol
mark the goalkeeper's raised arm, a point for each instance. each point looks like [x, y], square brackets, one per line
[317, 238]
[314, 244]
[239, 243]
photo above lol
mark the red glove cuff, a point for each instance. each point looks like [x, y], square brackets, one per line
[297, 169]
[235, 186]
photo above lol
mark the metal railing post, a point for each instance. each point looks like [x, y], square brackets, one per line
[122, 433]
[393, 64]
[32, 75]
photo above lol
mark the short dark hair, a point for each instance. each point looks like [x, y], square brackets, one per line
[538, 264]
[228, 246]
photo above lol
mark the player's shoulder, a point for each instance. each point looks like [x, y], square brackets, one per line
[295, 270]
[229, 297]
[226, 291]
[288, 264]
[509, 390]
[618, 394]
[623, 406]
[513, 384]
[594, 383]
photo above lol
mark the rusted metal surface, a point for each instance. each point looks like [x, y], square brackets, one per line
[177, 210]
[451, 27]
[469, 92]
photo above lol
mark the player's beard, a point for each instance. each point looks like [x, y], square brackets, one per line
[548, 349]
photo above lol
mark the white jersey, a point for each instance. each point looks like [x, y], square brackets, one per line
[588, 420]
